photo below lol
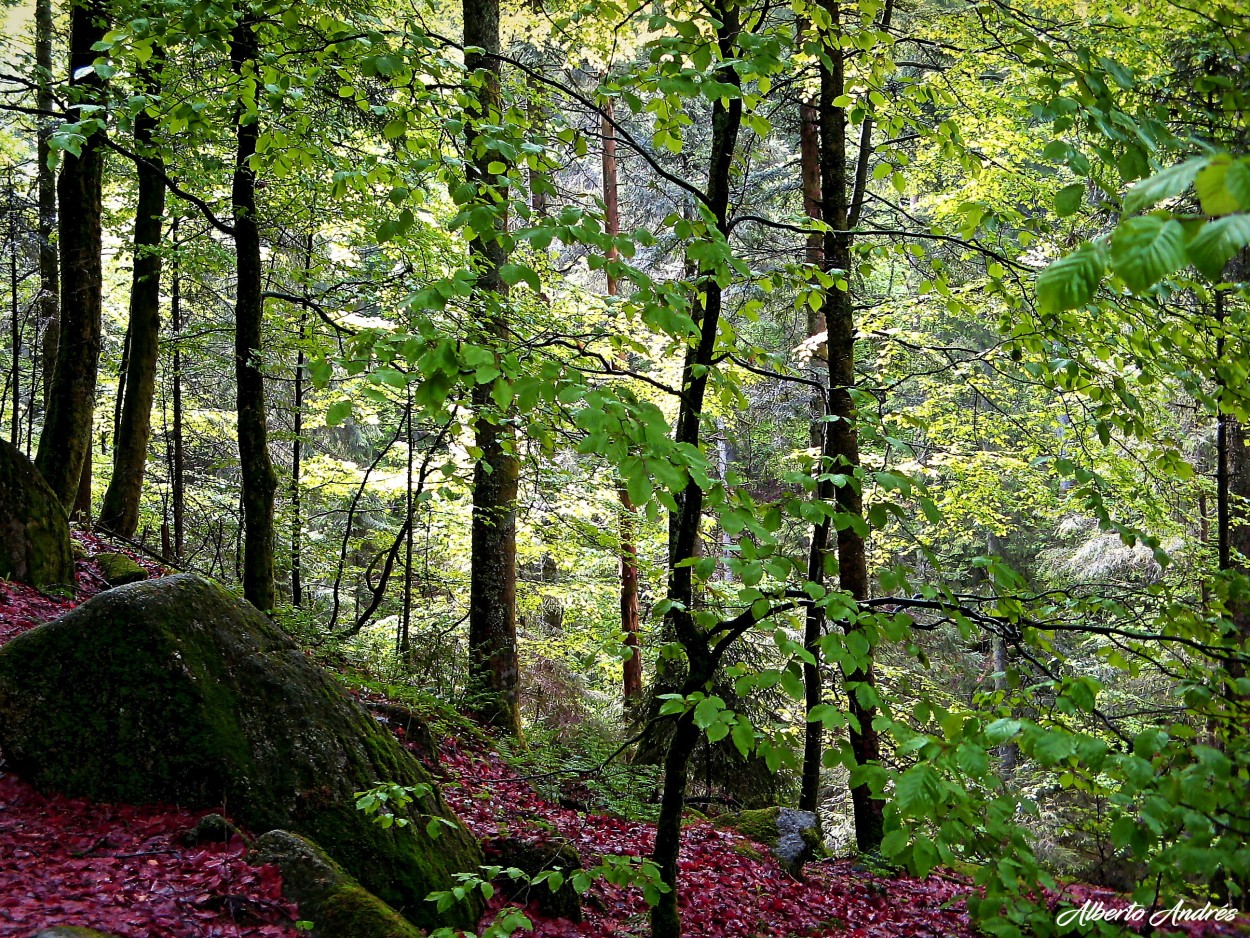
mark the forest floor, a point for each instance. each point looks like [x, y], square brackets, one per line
[124, 870]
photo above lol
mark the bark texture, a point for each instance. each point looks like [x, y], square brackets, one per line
[494, 672]
[65, 443]
[260, 482]
[120, 511]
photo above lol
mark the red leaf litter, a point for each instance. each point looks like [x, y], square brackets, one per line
[121, 869]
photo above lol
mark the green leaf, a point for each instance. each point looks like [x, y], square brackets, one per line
[1216, 242]
[1071, 281]
[1145, 250]
[744, 736]
[1069, 198]
[1223, 186]
[512, 274]
[1165, 185]
[893, 843]
[917, 790]
[338, 412]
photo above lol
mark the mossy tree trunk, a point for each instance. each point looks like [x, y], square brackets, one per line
[494, 673]
[49, 266]
[65, 443]
[120, 510]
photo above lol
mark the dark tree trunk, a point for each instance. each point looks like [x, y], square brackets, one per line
[177, 488]
[49, 267]
[120, 510]
[260, 482]
[297, 457]
[631, 683]
[842, 442]
[65, 443]
[15, 322]
[814, 620]
[702, 658]
[494, 672]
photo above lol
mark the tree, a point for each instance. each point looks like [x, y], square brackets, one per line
[493, 666]
[119, 512]
[63, 454]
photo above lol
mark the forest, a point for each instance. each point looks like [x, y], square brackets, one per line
[681, 410]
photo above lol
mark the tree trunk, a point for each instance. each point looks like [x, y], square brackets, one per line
[842, 434]
[49, 268]
[177, 493]
[631, 677]
[684, 523]
[494, 671]
[15, 375]
[260, 482]
[297, 457]
[120, 510]
[65, 443]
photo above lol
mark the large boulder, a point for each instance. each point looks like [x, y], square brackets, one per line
[176, 690]
[327, 895]
[34, 529]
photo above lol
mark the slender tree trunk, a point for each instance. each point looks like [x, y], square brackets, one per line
[120, 511]
[260, 482]
[177, 493]
[814, 619]
[297, 457]
[684, 523]
[49, 277]
[842, 433]
[494, 671]
[405, 627]
[297, 448]
[631, 683]
[65, 443]
[15, 376]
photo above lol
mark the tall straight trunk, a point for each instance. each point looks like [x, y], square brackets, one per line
[15, 338]
[49, 277]
[1233, 481]
[297, 458]
[814, 619]
[702, 658]
[64, 444]
[260, 482]
[631, 677]
[177, 490]
[297, 446]
[120, 510]
[494, 671]
[842, 437]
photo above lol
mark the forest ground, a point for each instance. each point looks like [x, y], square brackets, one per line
[123, 869]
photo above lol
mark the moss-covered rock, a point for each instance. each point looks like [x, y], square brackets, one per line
[34, 529]
[118, 569]
[72, 931]
[327, 895]
[176, 690]
[793, 835]
[210, 829]
[532, 856]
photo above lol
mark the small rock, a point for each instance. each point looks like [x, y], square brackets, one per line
[210, 829]
[71, 931]
[533, 856]
[330, 898]
[118, 569]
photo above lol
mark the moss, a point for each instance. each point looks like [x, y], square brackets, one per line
[351, 911]
[71, 931]
[336, 904]
[175, 690]
[759, 824]
[34, 529]
[118, 569]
